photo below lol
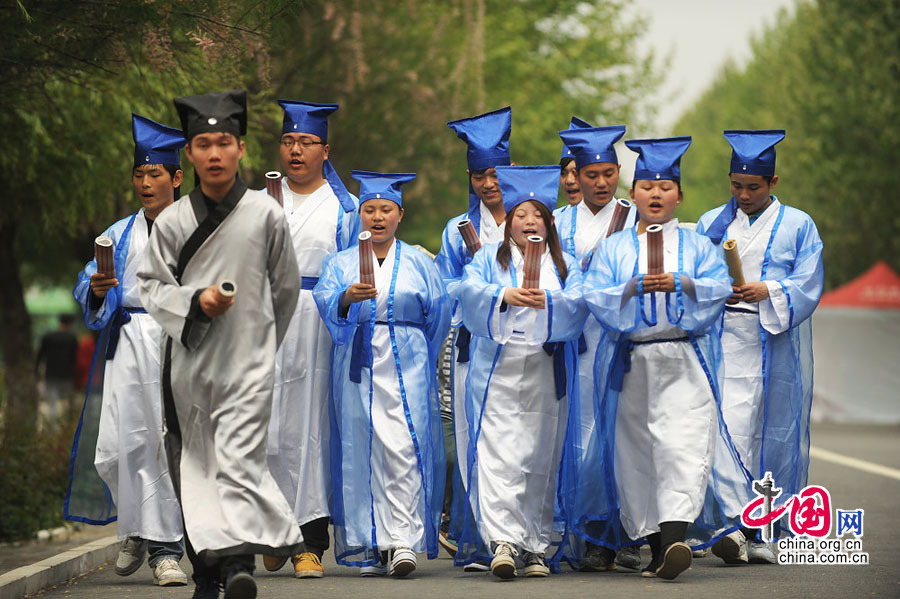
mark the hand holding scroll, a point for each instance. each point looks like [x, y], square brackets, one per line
[101, 284]
[358, 292]
[216, 299]
[525, 298]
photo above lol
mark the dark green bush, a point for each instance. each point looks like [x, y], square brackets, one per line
[34, 475]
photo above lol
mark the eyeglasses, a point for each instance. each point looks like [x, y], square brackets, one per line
[304, 142]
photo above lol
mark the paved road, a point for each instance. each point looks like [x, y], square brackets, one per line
[708, 578]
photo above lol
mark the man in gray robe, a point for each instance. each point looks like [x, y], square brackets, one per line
[219, 350]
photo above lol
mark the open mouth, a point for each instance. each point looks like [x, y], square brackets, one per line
[296, 163]
[215, 170]
[529, 231]
[378, 228]
[655, 206]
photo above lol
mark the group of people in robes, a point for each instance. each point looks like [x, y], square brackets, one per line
[271, 367]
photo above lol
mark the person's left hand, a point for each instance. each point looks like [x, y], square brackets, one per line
[664, 283]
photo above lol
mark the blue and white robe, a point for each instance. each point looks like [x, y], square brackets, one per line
[120, 431]
[767, 346]
[660, 451]
[522, 371]
[387, 460]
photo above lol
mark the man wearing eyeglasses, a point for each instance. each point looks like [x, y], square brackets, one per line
[323, 218]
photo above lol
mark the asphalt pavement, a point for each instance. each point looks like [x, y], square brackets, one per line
[851, 488]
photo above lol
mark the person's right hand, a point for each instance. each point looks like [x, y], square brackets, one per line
[214, 303]
[358, 292]
[526, 298]
[101, 284]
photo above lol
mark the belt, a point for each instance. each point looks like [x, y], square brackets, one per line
[740, 310]
[119, 319]
[307, 283]
[463, 339]
[622, 358]
[560, 378]
[361, 350]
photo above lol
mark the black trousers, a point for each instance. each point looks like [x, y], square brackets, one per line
[315, 536]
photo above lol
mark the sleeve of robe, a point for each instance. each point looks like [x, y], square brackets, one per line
[566, 310]
[610, 272]
[450, 262]
[480, 298]
[710, 286]
[96, 319]
[793, 298]
[175, 307]
[284, 275]
[437, 312]
[335, 279]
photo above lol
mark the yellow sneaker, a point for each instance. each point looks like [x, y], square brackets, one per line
[273, 563]
[308, 565]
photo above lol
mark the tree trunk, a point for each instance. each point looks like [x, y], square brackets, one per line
[18, 354]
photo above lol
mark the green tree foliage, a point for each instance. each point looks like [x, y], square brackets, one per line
[401, 70]
[830, 76]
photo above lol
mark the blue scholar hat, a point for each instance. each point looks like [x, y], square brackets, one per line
[594, 144]
[658, 158]
[575, 123]
[381, 185]
[753, 152]
[155, 143]
[487, 136]
[523, 183]
[312, 118]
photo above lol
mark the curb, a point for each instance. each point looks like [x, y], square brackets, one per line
[58, 569]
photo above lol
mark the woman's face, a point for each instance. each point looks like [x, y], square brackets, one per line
[526, 220]
[381, 217]
[656, 200]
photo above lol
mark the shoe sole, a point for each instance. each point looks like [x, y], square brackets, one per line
[728, 551]
[172, 582]
[403, 568]
[450, 549]
[676, 560]
[504, 570]
[476, 568]
[278, 567]
[241, 586]
[648, 574]
[629, 566]
[761, 560]
[308, 574]
[131, 569]
[536, 572]
[372, 574]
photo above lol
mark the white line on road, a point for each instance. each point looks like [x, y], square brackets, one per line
[871, 467]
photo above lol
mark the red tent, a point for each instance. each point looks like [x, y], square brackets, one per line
[878, 287]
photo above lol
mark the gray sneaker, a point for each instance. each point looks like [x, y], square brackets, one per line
[131, 556]
[761, 553]
[629, 557]
[167, 572]
[732, 548]
[534, 565]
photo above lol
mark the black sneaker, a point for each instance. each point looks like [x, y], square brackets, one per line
[204, 588]
[240, 585]
[598, 559]
[534, 565]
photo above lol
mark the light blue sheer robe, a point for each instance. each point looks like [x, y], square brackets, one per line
[398, 336]
[540, 383]
[118, 467]
[788, 256]
[613, 295]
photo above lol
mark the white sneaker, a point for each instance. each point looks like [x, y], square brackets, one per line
[761, 553]
[131, 556]
[732, 548]
[504, 563]
[477, 567]
[535, 566]
[167, 572]
[403, 562]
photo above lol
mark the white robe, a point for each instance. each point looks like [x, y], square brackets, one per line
[299, 431]
[130, 457]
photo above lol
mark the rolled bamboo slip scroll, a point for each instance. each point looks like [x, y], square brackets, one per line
[470, 237]
[226, 289]
[733, 260]
[619, 216]
[534, 251]
[366, 259]
[273, 186]
[103, 253]
[655, 264]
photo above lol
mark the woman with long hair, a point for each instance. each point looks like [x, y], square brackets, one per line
[517, 383]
